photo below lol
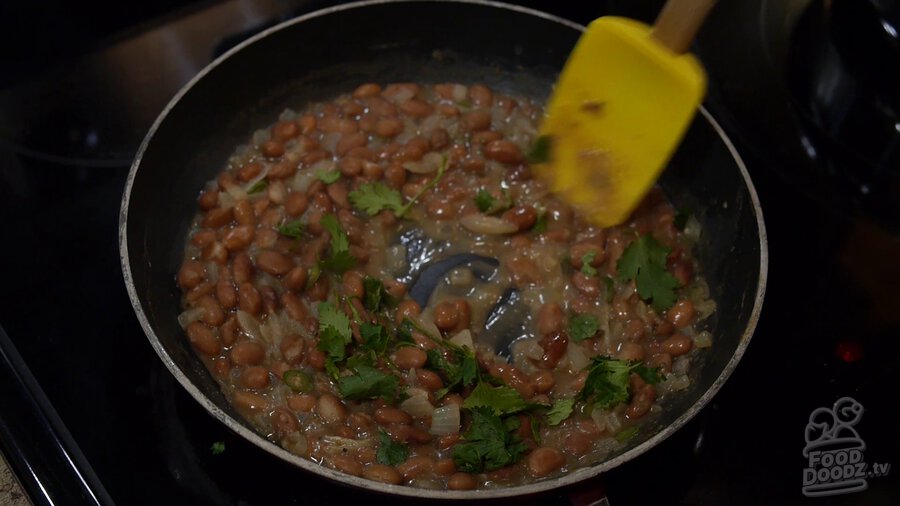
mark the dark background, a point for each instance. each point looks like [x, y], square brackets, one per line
[82, 81]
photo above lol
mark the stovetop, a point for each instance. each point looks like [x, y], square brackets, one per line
[89, 415]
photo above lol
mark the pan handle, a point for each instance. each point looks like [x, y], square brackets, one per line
[679, 21]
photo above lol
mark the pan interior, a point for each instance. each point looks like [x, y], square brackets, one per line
[315, 58]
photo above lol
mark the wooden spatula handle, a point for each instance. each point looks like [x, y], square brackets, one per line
[679, 21]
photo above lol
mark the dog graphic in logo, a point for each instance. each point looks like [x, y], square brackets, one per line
[834, 451]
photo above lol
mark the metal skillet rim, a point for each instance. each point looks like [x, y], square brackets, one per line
[310, 466]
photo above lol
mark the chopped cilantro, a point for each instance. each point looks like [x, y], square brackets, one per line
[340, 260]
[536, 429]
[608, 380]
[217, 448]
[487, 204]
[539, 152]
[488, 445]
[461, 373]
[390, 453]
[610, 284]
[583, 326]
[328, 176]
[540, 226]
[292, 229]
[561, 410]
[258, 187]
[372, 198]
[375, 337]
[368, 383]
[586, 268]
[644, 261]
[334, 331]
[375, 294]
[501, 400]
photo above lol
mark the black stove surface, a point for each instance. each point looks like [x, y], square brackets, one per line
[89, 414]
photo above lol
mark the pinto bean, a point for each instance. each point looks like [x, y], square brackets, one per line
[242, 268]
[208, 199]
[212, 311]
[461, 481]
[367, 90]
[191, 274]
[544, 460]
[296, 203]
[249, 299]
[523, 271]
[295, 279]
[407, 309]
[248, 353]
[481, 95]
[238, 237]
[641, 403]
[249, 401]
[255, 377]
[429, 379]
[681, 314]
[273, 262]
[382, 473]
[284, 422]
[229, 331]
[347, 464]
[503, 151]
[523, 217]
[543, 381]
[294, 306]
[630, 351]
[416, 466]
[551, 318]
[331, 409]
[476, 121]
[226, 294]
[249, 171]
[218, 217]
[677, 345]
[385, 415]
[410, 357]
[446, 315]
[416, 108]
[554, 346]
[588, 285]
[389, 127]
[203, 339]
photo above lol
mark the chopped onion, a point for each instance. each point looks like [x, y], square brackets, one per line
[608, 420]
[303, 179]
[417, 404]
[296, 443]
[491, 225]
[674, 383]
[272, 330]
[189, 316]
[248, 324]
[261, 136]
[226, 201]
[578, 360]
[459, 92]
[330, 140]
[428, 164]
[445, 420]
[463, 339]
[703, 339]
[212, 272]
[288, 115]
[681, 365]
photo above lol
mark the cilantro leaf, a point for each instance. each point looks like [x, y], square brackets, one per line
[374, 337]
[257, 187]
[368, 383]
[586, 268]
[561, 410]
[644, 261]
[328, 176]
[292, 229]
[540, 150]
[334, 331]
[217, 448]
[375, 294]
[583, 326]
[651, 375]
[608, 381]
[461, 373]
[372, 198]
[340, 260]
[487, 445]
[626, 434]
[390, 453]
[540, 226]
[501, 400]
[487, 204]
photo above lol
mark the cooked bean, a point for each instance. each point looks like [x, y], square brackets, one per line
[249, 171]
[249, 299]
[284, 422]
[294, 306]
[212, 311]
[429, 379]
[577, 444]
[295, 204]
[388, 127]
[285, 130]
[203, 339]
[554, 346]
[302, 402]
[272, 148]
[203, 238]
[410, 357]
[386, 415]
[382, 473]
[588, 285]
[641, 403]
[523, 271]
[226, 293]
[416, 466]
[677, 345]
[475, 121]
[550, 318]
[208, 199]
[543, 381]
[255, 377]
[579, 251]
[630, 351]
[367, 90]
[407, 309]
[248, 353]
[446, 315]
[295, 279]
[249, 401]
[292, 347]
[238, 237]
[347, 464]
[634, 330]
[229, 331]
[416, 108]
[242, 268]
[218, 217]
[331, 409]
[444, 467]
[191, 274]
[503, 151]
[461, 481]
[481, 95]
[681, 314]
[545, 460]
[273, 262]
[281, 170]
[523, 217]
[485, 136]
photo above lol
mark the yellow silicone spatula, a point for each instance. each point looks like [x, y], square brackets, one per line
[620, 107]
